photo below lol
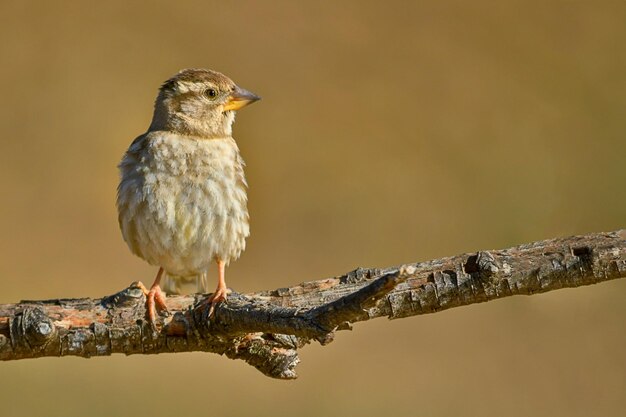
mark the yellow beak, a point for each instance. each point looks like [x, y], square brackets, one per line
[240, 98]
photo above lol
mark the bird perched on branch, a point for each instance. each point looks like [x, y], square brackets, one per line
[182, 199]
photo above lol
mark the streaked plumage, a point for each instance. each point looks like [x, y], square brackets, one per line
[182, 195]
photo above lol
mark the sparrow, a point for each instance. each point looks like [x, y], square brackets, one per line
[181, 200]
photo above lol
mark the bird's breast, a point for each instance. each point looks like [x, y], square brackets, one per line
[182, 201]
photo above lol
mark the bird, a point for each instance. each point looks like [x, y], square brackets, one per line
[182, 195]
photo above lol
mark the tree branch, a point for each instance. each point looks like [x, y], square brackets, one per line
[267, 328]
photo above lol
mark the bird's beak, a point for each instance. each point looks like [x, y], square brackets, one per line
[240, 98]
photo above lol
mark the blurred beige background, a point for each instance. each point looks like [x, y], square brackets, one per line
[389, 132]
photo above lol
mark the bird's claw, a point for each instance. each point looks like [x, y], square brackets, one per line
[217, 297]
[155, 300]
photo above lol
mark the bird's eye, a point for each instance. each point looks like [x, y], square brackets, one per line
[210, 93]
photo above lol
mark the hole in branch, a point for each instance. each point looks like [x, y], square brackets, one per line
[582, 252]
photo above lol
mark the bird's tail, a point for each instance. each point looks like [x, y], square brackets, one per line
[176, 284]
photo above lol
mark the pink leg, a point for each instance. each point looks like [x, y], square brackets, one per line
[155, 298]
[221, 291]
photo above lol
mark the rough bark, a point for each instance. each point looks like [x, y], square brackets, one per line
[267, 328]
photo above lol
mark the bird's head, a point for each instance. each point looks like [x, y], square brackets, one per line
[199, 102]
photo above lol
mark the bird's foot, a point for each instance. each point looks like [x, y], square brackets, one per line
[155, 300]
[220, 295]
